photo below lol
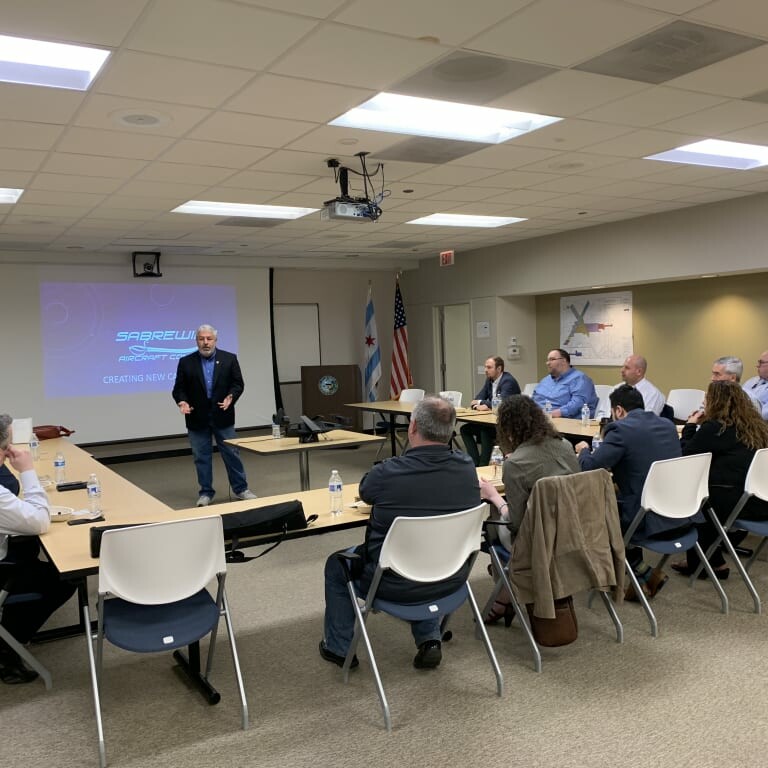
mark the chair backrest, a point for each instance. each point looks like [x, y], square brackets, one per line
[676, 487]
[453, 397]
[161, 562]
[685, 401]
[529, 388]
[603, 400]
[432, 548]
[411, 395]
[757, 476]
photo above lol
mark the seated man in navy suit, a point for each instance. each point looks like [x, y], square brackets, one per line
[497, 383]
[631, 443]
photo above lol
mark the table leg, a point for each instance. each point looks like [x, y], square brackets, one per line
[304, 470]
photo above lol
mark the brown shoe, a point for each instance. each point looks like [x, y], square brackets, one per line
[630, 595]
[655, 583]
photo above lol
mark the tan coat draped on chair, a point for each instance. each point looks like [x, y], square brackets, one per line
[569, 541]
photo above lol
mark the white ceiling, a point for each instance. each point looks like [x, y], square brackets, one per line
[244, 89]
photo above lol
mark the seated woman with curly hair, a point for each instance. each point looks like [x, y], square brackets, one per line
[732, 430]
[533, 449]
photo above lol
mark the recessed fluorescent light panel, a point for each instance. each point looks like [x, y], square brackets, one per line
[717, 153]
[53, 65]
[393, 113]
[207, 208]
[460, 220]
[9, 196]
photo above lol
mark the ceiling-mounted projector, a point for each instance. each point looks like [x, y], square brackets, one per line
[348, 210]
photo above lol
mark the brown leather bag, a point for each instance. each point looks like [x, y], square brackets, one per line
[562, 630]
[50, 432]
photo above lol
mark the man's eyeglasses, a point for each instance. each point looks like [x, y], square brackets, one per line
[554, 359]
[762, 362]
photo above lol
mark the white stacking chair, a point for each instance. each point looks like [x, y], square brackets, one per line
[400, 423]
[152, 597]
[755, 485]
[603, 400]
[529, 389]
[453, 397]
[684, 402]
[421, 549]
[674, 488]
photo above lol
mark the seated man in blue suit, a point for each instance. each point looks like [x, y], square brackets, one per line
[497, 382]
[565, 388]
[631, 443]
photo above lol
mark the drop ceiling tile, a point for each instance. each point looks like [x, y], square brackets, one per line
[126, 215]
[116, 204]
[669, 192]
[451, 174]
[671, 173]
[533, 35]
[319, 9]
[48, 197]
[332, 54]
[522, 196]
[567, 163]
[331, 140]
[21, 159]
[237, 128]
[38, 105]
[641, 143]
[179, 173]
[260, 180]
[288, 161]
[626, 169]
[235, 195]
[737, 77]
[45, 211]
[567, 93]
[91, 165]
[572, 183]
[297, 99]
[16, 179]
[505, 157]
[652, 106]
[729, 116]
[754, 134]
[96, 22]
[714, 196]
[213, 153]
[14, 133]
[112, 143]
[428, 18]
[102, 111]
[746, 16]
[59, 182]
[678, 7]
[220, 33]
[514, 180]
[571, 134]
[161, 78]
[161, 189]
[462, 194]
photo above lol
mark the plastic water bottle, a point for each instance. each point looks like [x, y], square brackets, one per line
[584, 415]
[276, 432]
[34, 447]
[495, 403]
[93, 488]
[548, 407]
[59, 468]
[597, 441]
[497, 461]
[335, 487]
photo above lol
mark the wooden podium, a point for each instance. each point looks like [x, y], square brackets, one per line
[325, 389]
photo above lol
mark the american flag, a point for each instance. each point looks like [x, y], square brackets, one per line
[401, 373]
[372, 367]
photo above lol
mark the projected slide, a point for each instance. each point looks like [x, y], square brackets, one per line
[118, 338]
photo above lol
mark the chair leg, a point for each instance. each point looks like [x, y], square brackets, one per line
[94, 686]
[360, 631]
[715, 581]
[235, 661]
[486, 642]
[28, 658]
[521, 614]
[612, 613]
[643, 600]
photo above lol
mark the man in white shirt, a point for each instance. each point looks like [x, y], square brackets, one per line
[633, 373]
[757, 386]
[24, 517]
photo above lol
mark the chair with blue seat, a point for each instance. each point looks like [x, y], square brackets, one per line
[426, 550]
[675, 489]
[153, 597]
[755, 486]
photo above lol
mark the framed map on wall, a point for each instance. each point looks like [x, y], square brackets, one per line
[596, 328]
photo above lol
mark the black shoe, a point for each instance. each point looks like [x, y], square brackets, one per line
[429, 656]
[744, 551]
[12, 669]
[335, 658]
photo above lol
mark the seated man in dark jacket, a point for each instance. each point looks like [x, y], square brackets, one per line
[428, 479]
[631, 443]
